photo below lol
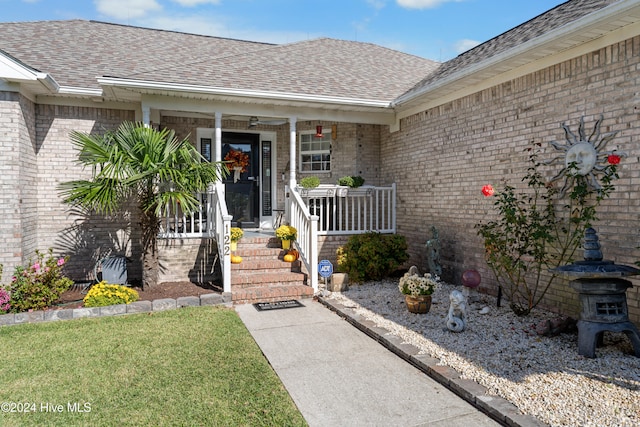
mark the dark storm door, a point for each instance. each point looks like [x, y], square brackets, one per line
[242, 150]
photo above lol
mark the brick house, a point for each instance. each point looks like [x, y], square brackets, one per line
[434, 133]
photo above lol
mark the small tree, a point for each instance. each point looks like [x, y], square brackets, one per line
[153, 167]
[532, 234]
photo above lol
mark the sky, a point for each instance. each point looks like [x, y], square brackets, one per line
[433, 29]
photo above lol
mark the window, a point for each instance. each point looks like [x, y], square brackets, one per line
[315, 153]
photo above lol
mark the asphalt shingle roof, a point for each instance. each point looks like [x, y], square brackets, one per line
[75, 52]
[535, 27]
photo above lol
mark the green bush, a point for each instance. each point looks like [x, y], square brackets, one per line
[351, 181]
[310, 182]
[39, 285]
[103, 294]
[372, 256]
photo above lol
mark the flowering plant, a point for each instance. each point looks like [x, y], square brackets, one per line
[5, 297]
[415, 285]
[236, 234]
[103, 294]
[532, 235]
[40, 284]
[237, 160]
[286, 232]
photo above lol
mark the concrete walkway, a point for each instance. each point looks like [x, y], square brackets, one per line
[339, 376]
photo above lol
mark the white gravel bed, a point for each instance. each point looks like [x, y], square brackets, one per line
[543, 376]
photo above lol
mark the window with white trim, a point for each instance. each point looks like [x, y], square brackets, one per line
[315, 152]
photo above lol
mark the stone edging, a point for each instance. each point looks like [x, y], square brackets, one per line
[496, 407]
[114, 310]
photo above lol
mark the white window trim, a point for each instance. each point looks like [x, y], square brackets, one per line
[300, 153]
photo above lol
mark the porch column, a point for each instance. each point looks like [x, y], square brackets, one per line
[218, 142]
[146, 116]
[218, 156]
[292, 153]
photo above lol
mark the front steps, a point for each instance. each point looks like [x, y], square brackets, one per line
[263, 276]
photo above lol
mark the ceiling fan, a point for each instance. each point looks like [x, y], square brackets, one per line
[254, 121]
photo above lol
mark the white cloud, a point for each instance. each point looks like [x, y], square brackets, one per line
[377, 4]
[465, 44]
[191, 3]
[421, 4]
[126, 9]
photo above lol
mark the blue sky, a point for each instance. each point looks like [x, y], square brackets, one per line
[434, 29]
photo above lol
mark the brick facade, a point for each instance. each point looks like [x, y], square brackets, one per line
[441, 158]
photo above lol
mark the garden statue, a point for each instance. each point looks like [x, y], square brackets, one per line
[433, 253]
[457, 317]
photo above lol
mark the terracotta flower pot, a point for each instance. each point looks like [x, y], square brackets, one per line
[419, 304]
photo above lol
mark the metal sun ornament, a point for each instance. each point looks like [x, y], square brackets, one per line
[587, 155]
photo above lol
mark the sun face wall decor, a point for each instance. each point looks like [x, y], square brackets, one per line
[587, 154]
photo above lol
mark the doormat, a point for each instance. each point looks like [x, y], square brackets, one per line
[277, 305]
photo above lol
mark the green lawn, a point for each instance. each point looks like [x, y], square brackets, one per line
[192, 366]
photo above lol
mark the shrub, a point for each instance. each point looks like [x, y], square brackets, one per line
[40, 284]
[372, 256]
[351, 181]
[532, 235]
[310, 182]
[103, 294]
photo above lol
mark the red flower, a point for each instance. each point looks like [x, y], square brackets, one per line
[613, 159]
[488, 190]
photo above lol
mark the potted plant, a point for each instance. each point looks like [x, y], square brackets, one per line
[417, 290]
[286, 234]
[236, 234]
[309, 182]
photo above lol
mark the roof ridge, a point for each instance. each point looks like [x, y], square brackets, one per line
[93, 21]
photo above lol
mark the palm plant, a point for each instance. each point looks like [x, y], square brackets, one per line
[150, 166]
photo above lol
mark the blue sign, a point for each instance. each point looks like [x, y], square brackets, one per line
[325, 268]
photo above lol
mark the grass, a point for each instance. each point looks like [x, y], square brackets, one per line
[193, 366]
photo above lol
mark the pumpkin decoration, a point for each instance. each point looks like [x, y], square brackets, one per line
[295, 253]
[236, 259]
[289, 257]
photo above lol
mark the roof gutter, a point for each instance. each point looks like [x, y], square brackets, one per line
[593, 18]
[241, 93]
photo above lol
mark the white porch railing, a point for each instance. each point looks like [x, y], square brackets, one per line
[212, 220]
[223, 234]
[353, 211]
[307, 240]
[317, 212]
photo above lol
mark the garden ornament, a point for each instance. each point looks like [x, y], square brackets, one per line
[456, 319]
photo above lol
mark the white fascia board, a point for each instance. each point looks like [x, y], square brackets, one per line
[573, 27]
[241, 93]
[13, 70]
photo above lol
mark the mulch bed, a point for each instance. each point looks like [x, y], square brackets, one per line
[73, 297]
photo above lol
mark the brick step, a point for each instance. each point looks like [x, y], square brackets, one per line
[265, 263]
[251, 295]
[249, 278]
[259, 252]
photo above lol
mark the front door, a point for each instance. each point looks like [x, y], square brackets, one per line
[242, 152]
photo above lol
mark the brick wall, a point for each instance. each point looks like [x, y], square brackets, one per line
[17, 198]
[441, 157]
[188, 259]
[70, 232]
